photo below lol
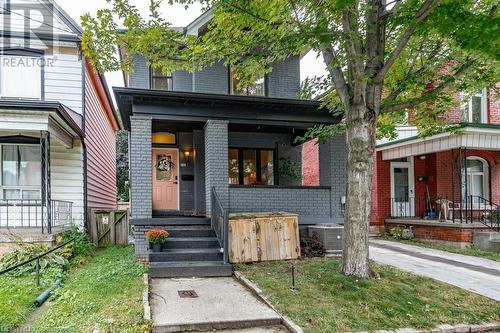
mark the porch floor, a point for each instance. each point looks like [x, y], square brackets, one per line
[434, 223]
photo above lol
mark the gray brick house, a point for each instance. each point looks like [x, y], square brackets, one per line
[200, 149]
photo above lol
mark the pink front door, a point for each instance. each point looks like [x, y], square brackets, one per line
[165, 179]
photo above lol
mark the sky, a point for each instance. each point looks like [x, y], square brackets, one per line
[177, 15]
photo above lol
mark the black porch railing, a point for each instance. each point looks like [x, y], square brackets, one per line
[34, 213]
[220, 221]
[472, 209]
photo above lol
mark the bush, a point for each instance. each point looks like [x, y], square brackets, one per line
[83, 246]
[312, 246]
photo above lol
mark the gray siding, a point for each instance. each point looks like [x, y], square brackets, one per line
[182, 81]
[307, 202]
[140, 77]
[213, 80]
[284, 80]
[216, 162]
[140, 167]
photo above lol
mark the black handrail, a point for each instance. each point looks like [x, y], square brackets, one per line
[37, 259]
[219, 221]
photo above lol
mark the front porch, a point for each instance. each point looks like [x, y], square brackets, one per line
[41, 170]
[448, 183]
[214, 155]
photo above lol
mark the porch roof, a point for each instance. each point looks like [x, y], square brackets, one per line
[199, 107]
[472, 136]
[55, 115]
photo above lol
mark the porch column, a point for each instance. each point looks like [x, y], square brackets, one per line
[332, 173]
[45, 181]
[140, 167]
[216, 162]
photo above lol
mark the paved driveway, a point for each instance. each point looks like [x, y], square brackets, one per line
[481, 276]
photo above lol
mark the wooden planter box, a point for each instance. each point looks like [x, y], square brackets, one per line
[263, 236]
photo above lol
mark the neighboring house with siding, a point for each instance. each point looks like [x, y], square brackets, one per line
[200, 148]
[57, 123]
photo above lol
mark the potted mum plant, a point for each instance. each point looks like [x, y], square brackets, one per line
[156, 238]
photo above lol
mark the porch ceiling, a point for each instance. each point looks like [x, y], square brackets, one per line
[477, 136]
[239, 110]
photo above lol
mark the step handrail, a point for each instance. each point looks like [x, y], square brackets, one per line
[219, 221]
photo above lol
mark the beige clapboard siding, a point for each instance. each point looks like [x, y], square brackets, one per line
[66, 172]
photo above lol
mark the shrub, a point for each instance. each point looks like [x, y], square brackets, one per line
[157, 236]
[312, 246]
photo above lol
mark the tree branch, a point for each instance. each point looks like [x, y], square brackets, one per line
[427, 7]
[337, 75]
[449, 80]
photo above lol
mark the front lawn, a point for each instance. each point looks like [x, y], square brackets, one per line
[467, 251]
[327, 301]
[107, 292]
[17, 295]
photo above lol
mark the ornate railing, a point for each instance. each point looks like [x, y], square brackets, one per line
[220, 221]
[471, 209]
[34, 213]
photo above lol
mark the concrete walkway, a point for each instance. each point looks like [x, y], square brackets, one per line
[478, 275]
[221, 303]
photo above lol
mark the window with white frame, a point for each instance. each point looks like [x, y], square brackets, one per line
[475, 179]
[473, 110]
[21, 76]
[21, 171]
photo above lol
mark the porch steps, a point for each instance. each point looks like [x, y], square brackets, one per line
[176, 255]
[192, 250]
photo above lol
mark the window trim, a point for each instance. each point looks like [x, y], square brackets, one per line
[28, 53]
[484, 107]
[152, 77]
[17, 187]
[485, 174]
[230, 84]
[257, 163]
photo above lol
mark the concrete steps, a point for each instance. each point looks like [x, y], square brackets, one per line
[189, 269]
[192, 250]
[186, 255]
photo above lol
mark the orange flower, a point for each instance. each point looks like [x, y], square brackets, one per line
[157, 236]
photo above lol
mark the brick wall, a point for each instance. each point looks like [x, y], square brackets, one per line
[332, 171]
[307, 202]
[216, 161]
[199, 172]
[310, 163]
[494, 107]
[140, 167]
[284, 80]
[381, 191]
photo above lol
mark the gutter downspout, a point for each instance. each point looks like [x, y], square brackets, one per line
[84, 148]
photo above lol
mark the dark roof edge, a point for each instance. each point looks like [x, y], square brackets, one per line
[61, 109]
[215, 97]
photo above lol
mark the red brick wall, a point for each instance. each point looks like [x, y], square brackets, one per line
[437, 168]
[494, 107]
[310, 163]
[381, 191]
[445, 233]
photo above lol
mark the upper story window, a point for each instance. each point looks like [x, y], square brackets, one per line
[21, 75]
[256, 89]
[161, 81]
[473, 110]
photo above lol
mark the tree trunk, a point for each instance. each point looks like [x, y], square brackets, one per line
[360, 140]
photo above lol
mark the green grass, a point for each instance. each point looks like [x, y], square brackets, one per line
[17, 295]
[327, 301]
[467, 251]
[107, 291]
